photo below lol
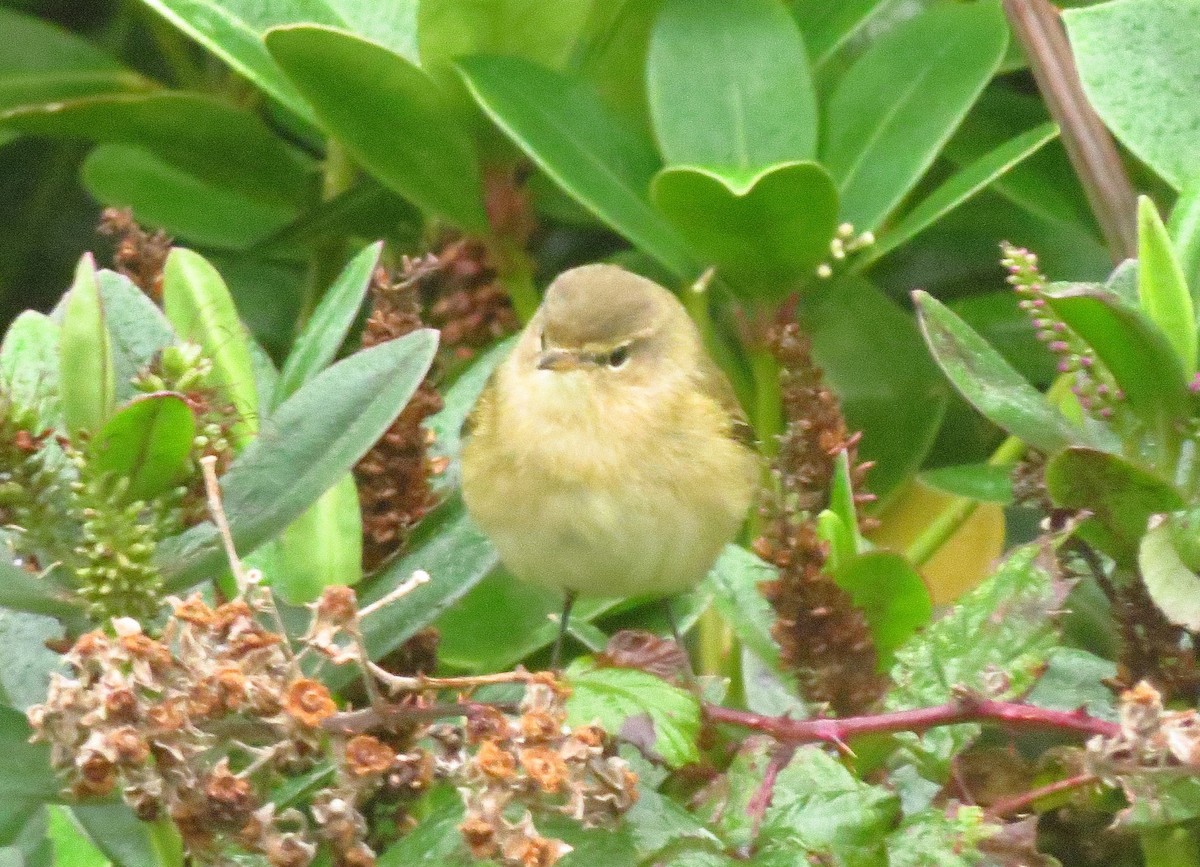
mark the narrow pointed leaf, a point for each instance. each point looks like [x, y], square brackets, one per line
[29, 365]
[892, 597]
[1162, 287]
[1174, 587]
[307, 445]
[322, 548]
[86, 380]
[988, 382]
[322, 336]
[136, 326]
[1184, 227]
[148, 442]
[199, 306]
[592, 153]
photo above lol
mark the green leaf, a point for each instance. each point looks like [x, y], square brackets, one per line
[29, 365]
[968, 181]
[734, 583]
[23, 591]
[1075, 679]
[988, 382]
[44, 63]
[436, 839]
[72, 848]
[118, 833]
[199, 306]
[763, 231]
[390, 116]
[892, 597]
[613, 696]
[206, 137]
[25, 772]
[893, 392]
[729, 86]
[1120, 496]
[1005, 625]
[1140, 67]
[897, 105]
[137, 328]
[843, 548]
[305, 447]
[820, 809]
[987, 483]
[25, 675]
[1137, 354]
[321, 548]
[1184, 228]
[163, 195]
[829, 26]
[1162, 287]
[1174, 587]
[595, 156]
[86, 380]
[149, 442]
[325, 331]
[234, 29]
[933, 836]
[1159, 799]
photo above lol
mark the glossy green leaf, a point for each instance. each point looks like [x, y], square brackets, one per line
[988, 382]
[72, 848]
[234, 29]
[1174, 587]
[436, 839]
[25, 675]
[612, 696]
[1138, 354]
[987, 483]
[321, 548]
[388, 114]
[1140, 67]
[29, 365]
[1162, 287]
[729, 86]
[25, 772]
[163, 195]
[43, 63]
[898, 104]
[893, 393]
[961, 186]
[148, 442]
[199, 306]
[829, 26]
[841, 495]
[734, 583]
[763, 232]
[600, 160]
[119, 834]
[86, 380]
[367, 210]
[834, 532]
[21, 590]
[137, 329]
[309, 443]
[326, 329]
[206, 137]
[892, 597]
[1158, 801]
[1184, 228]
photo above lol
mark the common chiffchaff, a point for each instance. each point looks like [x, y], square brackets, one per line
[608, 455]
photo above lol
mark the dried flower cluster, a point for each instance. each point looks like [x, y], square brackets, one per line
[139, 255]
[823, 636]
[393, 477]
[465, 298]
[1151, 737]
[202, 724]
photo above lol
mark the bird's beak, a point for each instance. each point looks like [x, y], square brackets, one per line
[557, 359]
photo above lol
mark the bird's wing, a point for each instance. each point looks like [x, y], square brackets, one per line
[716, 385]
[481, 408]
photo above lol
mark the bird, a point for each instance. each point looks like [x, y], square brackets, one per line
[608, 454]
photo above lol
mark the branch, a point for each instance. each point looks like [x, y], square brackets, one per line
[390, 716]
[1022, 802]
[967, 709]
[1089, 144]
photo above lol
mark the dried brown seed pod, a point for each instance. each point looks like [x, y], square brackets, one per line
[309, 702]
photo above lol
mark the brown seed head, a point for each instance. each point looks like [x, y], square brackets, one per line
[309, 702]
[97, 776]
[367, 755]
[195, 611]
[141, 646]
[487, 723]
[540, 725]
[545, 767]
[338, 605]
[169, 715]
[120, 704]
[480, 837]
[495, 761]
[128, 745]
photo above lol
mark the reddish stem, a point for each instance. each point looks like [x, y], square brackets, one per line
[967, 709]
[1022, 802]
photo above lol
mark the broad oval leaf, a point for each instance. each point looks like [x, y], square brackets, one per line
[310, 442]
[1174, 587]
[148, 442]
[596, 156]
[988, 382]
[197, 302]
[729, 85]
[1139, 62]
[1120, 496]
[987, 483]
[1138, 354]
[892, 597]
[390, 116]
[29, 365]
[902, 99]
[324, 332]
[136, 326]
[1162, 287]
[321, 548]
[764, 232]
[86, 379]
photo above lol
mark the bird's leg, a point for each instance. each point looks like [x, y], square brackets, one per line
[568, 601]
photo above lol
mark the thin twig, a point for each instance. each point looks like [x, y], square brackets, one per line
[757, 808]
[212, 487]
[1022, 802]
[418, 578]
[388, 716]
[967, 709]
[1088, 143]
[421, 683]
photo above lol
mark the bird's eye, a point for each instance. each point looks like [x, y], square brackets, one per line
[618, 357]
